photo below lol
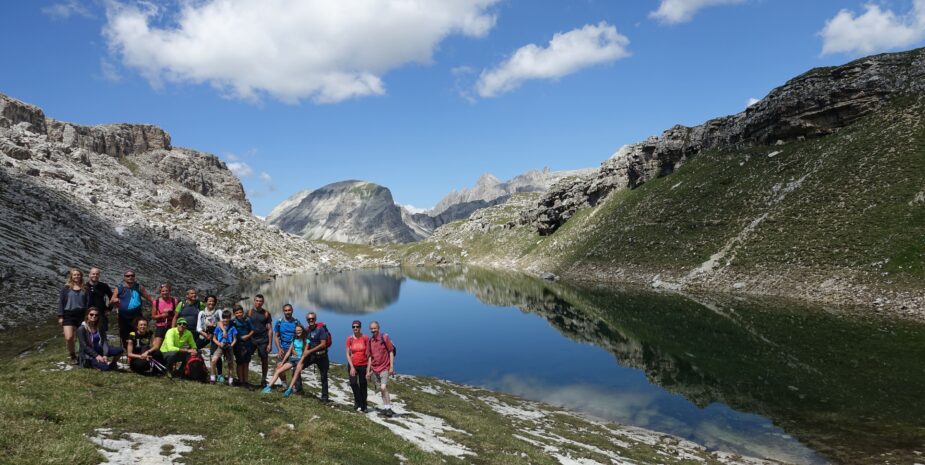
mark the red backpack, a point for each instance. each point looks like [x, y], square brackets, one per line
[318, 323]
[196, 369]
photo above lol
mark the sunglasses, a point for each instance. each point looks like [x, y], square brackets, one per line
[311, 319]
[93, 315]
[129, 276]
[182, 324]
[356, 326]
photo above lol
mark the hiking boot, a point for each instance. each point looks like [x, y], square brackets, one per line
[73, 360]
[220, 379]
[266, 390]
[389, 413]
[324, 399]
[287, 392]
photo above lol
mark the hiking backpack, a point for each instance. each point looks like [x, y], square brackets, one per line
[196, 369]
[329, 339]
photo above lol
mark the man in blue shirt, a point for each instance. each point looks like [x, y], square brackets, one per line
[284, 332]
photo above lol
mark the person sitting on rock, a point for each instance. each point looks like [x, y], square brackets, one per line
[94, 347]
[177, 347]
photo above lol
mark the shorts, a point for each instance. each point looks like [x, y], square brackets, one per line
[73, 317]
[243, 353]
[261, 348]
[381, 378]
[161, 331]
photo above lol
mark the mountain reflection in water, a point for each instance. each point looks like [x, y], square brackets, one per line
[752, 377]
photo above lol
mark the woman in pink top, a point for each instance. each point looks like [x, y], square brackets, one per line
[163, 311]
[357, 361]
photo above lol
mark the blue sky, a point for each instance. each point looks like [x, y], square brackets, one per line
[423, 96]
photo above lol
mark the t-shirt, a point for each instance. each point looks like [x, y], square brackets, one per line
[99, 294]
[379, 348]
[259, 321]
[244, 327]
[75, 300]
[162, 311]
[229, 335]
[190, 312]
[174, 341]
[316, 336]
[140, 341]
[359, 350]
[286, 331]
[298, 345]
[207, 321]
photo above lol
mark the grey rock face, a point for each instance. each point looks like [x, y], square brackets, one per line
[348, 211]
[13, 112]
[115, 140]
[813, 104]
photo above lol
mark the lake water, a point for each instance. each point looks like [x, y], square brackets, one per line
[797, 384]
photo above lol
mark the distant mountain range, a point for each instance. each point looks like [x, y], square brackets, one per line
[362, 212]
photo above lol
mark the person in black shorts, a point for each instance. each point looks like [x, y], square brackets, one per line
[244, 349]
[261, 323]
[72, 307]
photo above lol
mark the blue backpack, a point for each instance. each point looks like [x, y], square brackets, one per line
[128, 302]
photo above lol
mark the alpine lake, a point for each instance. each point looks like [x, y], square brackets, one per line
[764, 378]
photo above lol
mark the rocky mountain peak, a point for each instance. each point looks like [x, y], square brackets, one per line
[814, 104]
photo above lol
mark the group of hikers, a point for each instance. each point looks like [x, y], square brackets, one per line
[184, 331]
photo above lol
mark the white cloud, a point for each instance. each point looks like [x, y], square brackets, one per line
[326, 51]
[240, 169]
[566, 53]
[751, 101]
[682, 11]
[876, 30]
[66, 9]
[265, 177]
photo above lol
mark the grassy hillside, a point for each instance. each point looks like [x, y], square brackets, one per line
[840, 218]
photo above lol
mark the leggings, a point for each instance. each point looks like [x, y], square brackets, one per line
[358, 386]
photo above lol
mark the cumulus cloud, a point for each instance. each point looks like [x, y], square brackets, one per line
[326, 51]
[64, 10]
[876, 30]
[240, 169]
[567, 53]
[265, 177]
[682, 11]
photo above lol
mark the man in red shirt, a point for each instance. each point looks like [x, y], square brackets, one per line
[381, 364]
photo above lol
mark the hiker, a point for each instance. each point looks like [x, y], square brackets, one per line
[190, 308]
[244, 349]
[143, 358]
[382, 364]
[292, 356]
[208, 321]
[94, 347]
[261, 322]
[99, 294]
[224, 339]
[163, 312]
[283, 332]
[178, 346]
[72, 308]
[317, 353]
[128, 295]
[357, 362]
